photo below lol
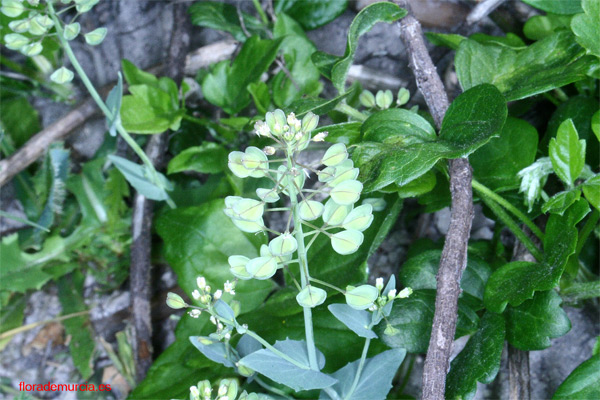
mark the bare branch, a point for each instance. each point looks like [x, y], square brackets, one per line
[454, 254]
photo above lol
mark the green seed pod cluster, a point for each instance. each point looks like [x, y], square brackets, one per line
[35, 24]
[342, 222]
[383, 99]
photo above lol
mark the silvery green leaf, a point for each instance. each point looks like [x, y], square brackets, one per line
[375, 380]
[136, 175]
[96, 36]
[113, 102]
[224, 310]
[297, 350]
[62, 75]
[286, 373]
[387, 309]
[533, 179]
[356, 320]
[247, 345]
[215, 351]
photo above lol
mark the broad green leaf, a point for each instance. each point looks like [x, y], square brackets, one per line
[450, 40]
[552, 62]
[224, 17]
[591, 190]
[587, 26]
[226, 85]
[19, 119]
[180, 365]
[531, 325]
[557, 7]
[422, 185]
[559, 203]
[471, 121]
[297, 350]
[582, 383]
[316, 105]
[12, 314]
[497, 163]
[208, 158]
[139, 117]
[303, 74]
[412, 319]
[58, 159]
[397, 126]
[198, 242]
[261, 96]
[347, 133]
[541, 26]
[282, 371]
[82, 344]
[596, 124]
[517, 281]
[375, 379]
[214, 351]
[312, 14]
[136, 76]
[357, 321]
[479, 361]
[567, 153]
[419, 272]
[138, 176]
[362, 23]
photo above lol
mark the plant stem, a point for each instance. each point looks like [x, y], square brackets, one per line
[581, 291]
[350, 111]
[514, 227]
[260, 11]
[329, 285]
[589, 226]
[272, 388]
[484, 191]
[361, 365]
[304, 274]
[27, 327]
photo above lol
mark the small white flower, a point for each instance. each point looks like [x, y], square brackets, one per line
[213, 319]
[391, 294]
[299, 135]
[219, 326]
[196, 294]
[232, 292]
[262, 129]
[373, 307]
[228, 287]
[207, 391]
[222, 390]
[195, 392]
[218, 294]
[379, 283]
[195, 313]
[404, 293]
[207, 289]
[227, 336]
[201, 282]
[319, 137]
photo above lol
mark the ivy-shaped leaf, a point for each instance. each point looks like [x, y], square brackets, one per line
[224, 17]
[582, 383]
[587, 26]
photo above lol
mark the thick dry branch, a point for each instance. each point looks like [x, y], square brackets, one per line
[38, 144]
[454, 254]
[141, 223]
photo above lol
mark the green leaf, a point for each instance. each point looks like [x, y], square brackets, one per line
[471, 121]
[113, 103]
[136, 76]
[282, 371]
[312, 14]
[397, 126]
[559, 203]
[261, 96]
[82, 344]
[357, 321]
[208, 158]
[591, 190]
[552, 62]
[198, 242]
[567, 153]
[362, 23]
[517, 281]
[531, 325]
[596, 124]
[138, 176]
[582, 383]
[150, 110]
[412, 319]
[557, 7]
[303, 74]
[497, 163]
[375, 379]
[419, 272]
[215, 351]
[226, 85]
[450, 40]
[12, 314]
[479, 361]
[316, 105]
[19, 119]
[541, 26]
[224, 17]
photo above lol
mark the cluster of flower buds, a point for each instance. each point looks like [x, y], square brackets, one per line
[383, 99]
[228, 390]
[343, 223]
[371, 297]
[204, 296]
[29, 32]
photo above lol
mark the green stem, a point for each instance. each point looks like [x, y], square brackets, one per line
[272, 388]
[514, 227]
[361, 365]
[263, 16]
[484, 191]
[589, 226]
[27, 327]
[581, 291]
[329, 285]
[350, 111]
[304, 274]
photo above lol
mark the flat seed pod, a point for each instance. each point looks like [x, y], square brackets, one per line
[95, 37]
[12, 8]
[362, 297]
[327, 174]
[62, 75]
[360, 218]
[249, 226]
[230, 201]
[343, 174]
[267, 195]
[72, 30]
[347, 192]
[236, 166]
[283, 245]
[335, 154]
[377, 202]
[15, 41]
[265, 252]
[36, 28]
[334, 214]
[262, 267]
[311, 297]
[32, 49]
[238, 267]
[19, 26]
[249, 209]
[283, 180]
[310, 210]
[347, 242]
[255, 160]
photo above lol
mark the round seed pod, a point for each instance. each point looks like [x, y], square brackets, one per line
[335, 155]
[283, 245]
[237, 266]
[360, 218]
[334, 213]
[262, 267]
[309, 210]
[311, 297]
[347, 192]
[347, 242]
[361, 297]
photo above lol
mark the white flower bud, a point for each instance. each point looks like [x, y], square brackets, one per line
[213, 319]
[391, 294]
[196, 295]
[404, 293]
[218, 294]
[379, 283]
[319, 137]
[201, 282]
[195, 313]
